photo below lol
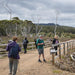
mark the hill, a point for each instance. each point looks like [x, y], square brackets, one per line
[46, 24]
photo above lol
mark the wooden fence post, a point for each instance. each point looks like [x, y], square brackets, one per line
[53, 59]
[72, 44]
[67, 47]
[64, 48]
[32, 46]
[60, 51]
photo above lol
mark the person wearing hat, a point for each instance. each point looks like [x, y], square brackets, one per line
[55, 41]
[40, 47]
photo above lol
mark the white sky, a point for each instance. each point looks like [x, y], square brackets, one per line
[43, 10]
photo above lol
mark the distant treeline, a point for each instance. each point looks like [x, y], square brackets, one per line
[22, 27]
[60, 29]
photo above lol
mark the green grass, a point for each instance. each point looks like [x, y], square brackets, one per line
[62, 57]
[57, 71]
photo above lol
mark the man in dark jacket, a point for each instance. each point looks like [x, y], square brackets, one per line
[13, 62]
[25, 42]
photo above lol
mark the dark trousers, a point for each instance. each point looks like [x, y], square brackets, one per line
[56, 49]
[25, 48]
[13, 64]
[36, 46]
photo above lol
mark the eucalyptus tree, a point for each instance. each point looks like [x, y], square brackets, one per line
[38, 28]
[17, 22]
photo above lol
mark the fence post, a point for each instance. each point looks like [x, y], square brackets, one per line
[32, 46]
[67, 47]
[60, 51]
[64, 48]
[72, 44]
[53, 59]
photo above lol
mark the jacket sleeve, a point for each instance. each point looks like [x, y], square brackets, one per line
[27, 41]
[7, 48]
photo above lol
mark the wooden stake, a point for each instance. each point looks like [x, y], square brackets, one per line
[53, 60]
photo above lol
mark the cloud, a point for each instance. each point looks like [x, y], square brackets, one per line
[46, 10]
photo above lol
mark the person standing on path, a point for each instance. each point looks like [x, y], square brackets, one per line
[40, 47]
[55, 41]
[25, 42]
[13, 55]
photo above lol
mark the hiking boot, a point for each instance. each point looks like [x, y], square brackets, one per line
[10, 74]
[39, 60]
[44, 60]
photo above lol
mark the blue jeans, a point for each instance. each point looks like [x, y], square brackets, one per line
[13, 64]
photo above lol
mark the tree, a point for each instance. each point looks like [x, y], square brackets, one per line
[15, 18]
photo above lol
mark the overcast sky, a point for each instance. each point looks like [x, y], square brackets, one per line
[43, 10]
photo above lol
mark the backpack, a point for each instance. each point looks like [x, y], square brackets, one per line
[24, 42]
[14, 52]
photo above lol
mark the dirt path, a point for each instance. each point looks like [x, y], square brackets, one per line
[29, 66]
